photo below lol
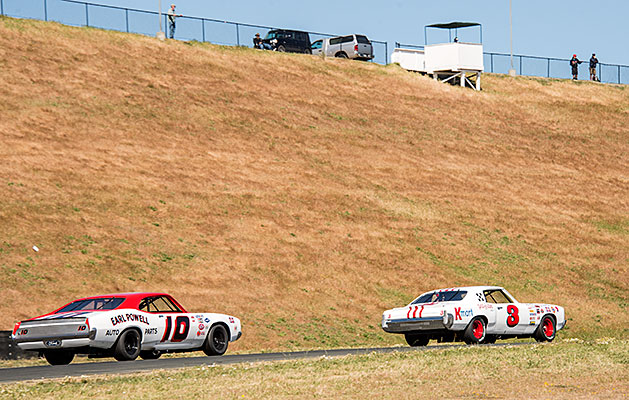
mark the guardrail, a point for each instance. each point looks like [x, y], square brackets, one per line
[145, 22]
[548, 67]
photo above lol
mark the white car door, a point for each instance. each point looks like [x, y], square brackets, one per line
[174, 328]
[508, 313]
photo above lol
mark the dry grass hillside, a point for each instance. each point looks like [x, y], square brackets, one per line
[304, 195]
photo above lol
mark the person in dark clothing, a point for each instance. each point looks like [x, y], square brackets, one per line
[257, 42]
[574, 63]
[593, 62]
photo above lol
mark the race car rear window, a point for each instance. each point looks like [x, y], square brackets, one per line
[106, 303]
[435, 297]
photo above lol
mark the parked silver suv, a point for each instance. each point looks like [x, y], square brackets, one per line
[351, 46]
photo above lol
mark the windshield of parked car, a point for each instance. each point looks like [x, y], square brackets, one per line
[270, 35]
[436, 297]
[105, 303]
[362, 39]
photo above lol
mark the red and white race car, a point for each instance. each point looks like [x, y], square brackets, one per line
[478, 314]
[125, 326]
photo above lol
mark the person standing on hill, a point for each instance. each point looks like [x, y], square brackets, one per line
[171, 20]
[593, 62]
[574, 63]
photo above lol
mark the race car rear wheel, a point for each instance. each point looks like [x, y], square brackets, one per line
[416, 339]
[150, 354]
[475, 331]
[127, 347]
[59, 357]
[216, 341]
[545, 332]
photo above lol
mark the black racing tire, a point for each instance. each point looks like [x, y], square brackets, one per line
[127, 348]
[216, 341]
[150, 354]
[281, 48]
[475, 332]
[340, 54]
[59, 357]
[416, 339]
[307, 51]
[546, 330]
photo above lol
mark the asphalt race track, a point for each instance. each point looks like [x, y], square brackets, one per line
[115, 368]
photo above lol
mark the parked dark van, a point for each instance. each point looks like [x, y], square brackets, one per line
[289, 41]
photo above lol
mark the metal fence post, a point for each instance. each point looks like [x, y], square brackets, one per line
[87, 15]
[521, 65]
[127, 17]
[237, 35]
[45, 10]
[1, 8]
[491, 59]
[548, 69]
[619, 74]
[386, 53]
[203, 28]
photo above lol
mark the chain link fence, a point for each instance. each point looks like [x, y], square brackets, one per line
[144, 22]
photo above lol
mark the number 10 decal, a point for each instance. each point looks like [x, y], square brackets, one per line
[182, 327]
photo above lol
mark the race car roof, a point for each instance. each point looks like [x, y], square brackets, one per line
[467, 288]
[131, 300]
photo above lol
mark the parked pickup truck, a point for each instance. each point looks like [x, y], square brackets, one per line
[356, 47]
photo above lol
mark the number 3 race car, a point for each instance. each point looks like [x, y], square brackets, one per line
[479, 314]
[125, 326]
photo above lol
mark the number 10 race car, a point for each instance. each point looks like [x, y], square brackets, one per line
[125, 326]
[479, 314]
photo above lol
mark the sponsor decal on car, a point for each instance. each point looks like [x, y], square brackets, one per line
[119, 319]
[207, 320]
[231, 320]
[112, 332]
[459, 314]
[150, 331]
[52, 343]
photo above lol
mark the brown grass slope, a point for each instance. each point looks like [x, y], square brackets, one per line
[303, 195]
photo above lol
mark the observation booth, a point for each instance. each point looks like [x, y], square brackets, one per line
[453, 62]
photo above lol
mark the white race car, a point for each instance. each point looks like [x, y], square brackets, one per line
[478, 314]
[125, 326]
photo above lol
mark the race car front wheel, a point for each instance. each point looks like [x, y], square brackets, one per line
[545, 332]
[416, 339]
[216, 341]
[58, 357]
[127, 347]
[475, 331]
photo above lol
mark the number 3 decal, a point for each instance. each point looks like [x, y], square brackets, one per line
[512, 318]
